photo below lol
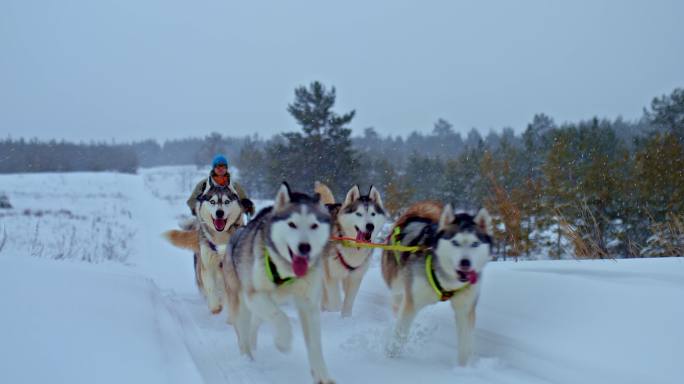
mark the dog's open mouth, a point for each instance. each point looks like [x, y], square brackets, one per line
[300, 264]
[363, 236]
[220, 224]
[467, 276]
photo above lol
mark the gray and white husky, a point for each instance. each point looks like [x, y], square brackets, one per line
[219, 214]
[457, 247]
[360, 217]
[278, 255]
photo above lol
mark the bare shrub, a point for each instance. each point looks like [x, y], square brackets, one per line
[584, 234]
[512, 236]
[667, 237]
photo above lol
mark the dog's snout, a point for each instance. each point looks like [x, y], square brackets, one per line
[219, 213]
[370, 227]
[465, 263]
[304, 248]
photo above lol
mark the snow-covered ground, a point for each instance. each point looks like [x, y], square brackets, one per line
[91, 293]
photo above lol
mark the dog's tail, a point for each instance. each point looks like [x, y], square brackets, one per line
[325, 193]
[183, 239]
[389, 266]
[430, 210]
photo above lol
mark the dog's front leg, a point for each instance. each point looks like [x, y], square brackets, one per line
[242, 322]
[261, 304]
[309, 316]
[331, 296]
[230, 320]
[254, 332]
[401, 331]
[351, 288]
[464, 312]
[397, 298]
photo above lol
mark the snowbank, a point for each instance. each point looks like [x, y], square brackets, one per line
[139, 318]
[70, 323]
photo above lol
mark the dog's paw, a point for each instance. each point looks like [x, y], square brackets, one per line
[283, 337]
[332, 306]
[346, 312]
[392, 352]
[253, 336]
[393, 348]
[246, 352]
[321, 379]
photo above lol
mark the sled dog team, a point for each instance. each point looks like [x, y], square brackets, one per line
[290, 251]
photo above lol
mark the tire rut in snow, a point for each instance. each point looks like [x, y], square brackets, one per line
[211, 342]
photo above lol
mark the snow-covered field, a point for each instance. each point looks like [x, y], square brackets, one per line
[91, 293]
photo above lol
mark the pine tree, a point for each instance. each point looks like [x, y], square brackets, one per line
[535, 142]
[659, 175]
[559, 186]
[659, 181]
[424, 174]
[323, 151]
[213, 145]
[667, 113]
[253, 169]
[398, 192]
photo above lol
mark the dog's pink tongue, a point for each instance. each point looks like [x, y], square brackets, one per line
[472, 277]
[300, 265]
[220, 224]
[360, 236]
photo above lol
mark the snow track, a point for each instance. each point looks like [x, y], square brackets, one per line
[560, 322]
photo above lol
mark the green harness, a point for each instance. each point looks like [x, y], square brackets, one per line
[429, 271]
[272, 271]
[434, 283]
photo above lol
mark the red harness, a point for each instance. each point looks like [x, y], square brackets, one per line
[344, 262]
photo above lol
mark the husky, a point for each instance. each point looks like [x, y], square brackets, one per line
[360, 217]
[278, 255]
[449, 268]
[219, 214]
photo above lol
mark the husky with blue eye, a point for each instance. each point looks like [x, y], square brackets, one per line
[219, 214]
[359, 217]
[278, 256]
[453, 251]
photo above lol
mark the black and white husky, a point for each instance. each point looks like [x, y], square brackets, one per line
[278, 255]
[359, 217]
[219, 214]
[456, 248]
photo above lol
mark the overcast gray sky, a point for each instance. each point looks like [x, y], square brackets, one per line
[133, 69]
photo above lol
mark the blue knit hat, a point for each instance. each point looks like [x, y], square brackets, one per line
[219, 160]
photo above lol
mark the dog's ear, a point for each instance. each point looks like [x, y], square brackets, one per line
[282, 198]
[353, 195]
[333, 209]
[484, 222]
[317, 198]
[327, 196]
[447, 217]
[374, 195]
[287, 186]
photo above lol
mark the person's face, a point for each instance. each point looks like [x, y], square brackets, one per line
[220, 170]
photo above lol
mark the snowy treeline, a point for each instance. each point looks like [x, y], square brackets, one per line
[593, 188]
[596, 188]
